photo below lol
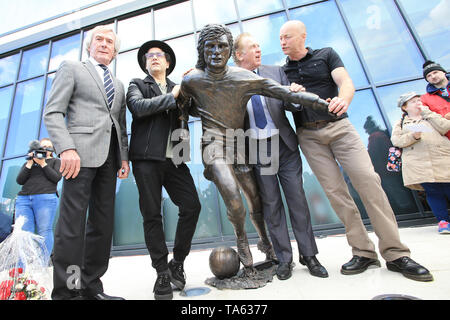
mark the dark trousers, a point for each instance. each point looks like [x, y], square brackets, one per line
[82, 248]
[150, 177]
[289, 175]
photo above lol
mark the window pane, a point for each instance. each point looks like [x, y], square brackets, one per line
[431, 21]
[8, 69]
[260, 28]
[43, 131]
[253, 8]
[366, 118]
[385, 42]
[389, 96]
[186, 54]
[213, 11]
[25, 116]
[294, 3]
[134, 31]
[207, 225]
[127, 69]
[165, 18]
[8, 191]
[319, 20]
[34, 62]
[64, 49]
[5, 103]
[128, 225]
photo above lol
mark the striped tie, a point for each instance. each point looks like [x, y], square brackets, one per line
[109, 85]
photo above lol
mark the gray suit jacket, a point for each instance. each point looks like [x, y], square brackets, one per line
[77, 116]
[276, 107]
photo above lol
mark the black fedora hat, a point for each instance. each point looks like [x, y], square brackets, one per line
[156, 44]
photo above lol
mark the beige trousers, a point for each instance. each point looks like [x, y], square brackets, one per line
[338, 143]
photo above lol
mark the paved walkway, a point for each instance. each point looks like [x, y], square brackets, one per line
[133, 277]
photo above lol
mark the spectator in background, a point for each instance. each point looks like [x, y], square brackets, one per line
[426, 154]
[38, 199]
[438, 90]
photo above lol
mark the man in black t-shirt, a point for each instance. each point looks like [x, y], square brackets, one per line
[327, 140]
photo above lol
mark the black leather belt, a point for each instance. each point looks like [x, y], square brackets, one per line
[316, 125]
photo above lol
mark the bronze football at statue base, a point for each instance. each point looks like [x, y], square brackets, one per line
[224, 264]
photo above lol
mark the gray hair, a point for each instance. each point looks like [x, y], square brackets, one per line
[91, 33]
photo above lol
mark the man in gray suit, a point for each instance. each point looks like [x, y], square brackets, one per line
[85, 118]
[267, 119]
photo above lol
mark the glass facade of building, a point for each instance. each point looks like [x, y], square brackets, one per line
[383, 44]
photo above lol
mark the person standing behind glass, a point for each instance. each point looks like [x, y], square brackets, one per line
[38, 199]
[425, 155]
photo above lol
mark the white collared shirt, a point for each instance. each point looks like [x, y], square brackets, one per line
[99, 69]
[270, 129]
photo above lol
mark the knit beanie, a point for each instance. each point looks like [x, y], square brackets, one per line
[429, 66]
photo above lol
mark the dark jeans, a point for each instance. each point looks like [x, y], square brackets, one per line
[437, 195]
[150, 177]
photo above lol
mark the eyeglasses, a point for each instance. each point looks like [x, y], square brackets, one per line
[155, 54]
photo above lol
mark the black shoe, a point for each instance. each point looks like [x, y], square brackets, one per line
[162, 288]
[314, 266]
[284, 271]
[101, 296]
[358, 264]
[177, 275]
[410, 269]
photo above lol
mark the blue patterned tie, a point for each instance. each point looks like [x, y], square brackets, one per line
[258, 112]
[109, 85]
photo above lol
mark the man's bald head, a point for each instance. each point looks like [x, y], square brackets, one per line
[292, 39]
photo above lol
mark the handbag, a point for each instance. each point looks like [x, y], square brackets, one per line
[394, 162]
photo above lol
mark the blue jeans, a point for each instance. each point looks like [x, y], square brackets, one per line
[437, 195]
[39, 212]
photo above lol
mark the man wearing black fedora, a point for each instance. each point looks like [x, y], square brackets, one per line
[152, 103]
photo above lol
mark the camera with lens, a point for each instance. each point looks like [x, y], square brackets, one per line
[37, 150]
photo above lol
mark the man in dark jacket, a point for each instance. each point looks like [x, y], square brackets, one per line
[152, 102]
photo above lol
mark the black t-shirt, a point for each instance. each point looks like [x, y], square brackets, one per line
[38, 180]
[314, 73]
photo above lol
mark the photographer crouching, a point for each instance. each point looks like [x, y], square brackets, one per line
[38, 199]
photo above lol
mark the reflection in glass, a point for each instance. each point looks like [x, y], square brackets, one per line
[431, 21]
[34, 62]
[319, 20]
[365, 117]
[8, 69]
[390, 94]
[128, 225]
[213, 11]
[265, 31]
[207, 225]
[8, 191]
[186, 53]
[128, 68]
[293, 3]
[173, 20]
[43, 131]
[5, 103]
[252, 8]
[25, 116]
[64, 49]
[385, 42]
[134, 31]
